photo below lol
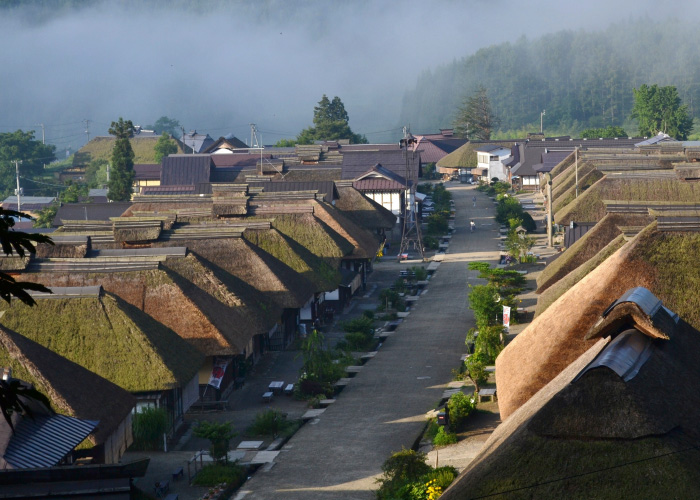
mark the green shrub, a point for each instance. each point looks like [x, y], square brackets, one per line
[420, 273]
[368, 314]
[460, 407]
[148, 425]
[269, 422]
[211, 475]
[443, 438]
[219, 435]
[475, 369]
[399, 471]
[430, 242]
[356, 341]
[432, 429]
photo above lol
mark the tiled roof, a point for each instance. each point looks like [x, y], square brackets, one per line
[237, 159]
[180, 170]
[164, 190]
[327, 188]
[357, 163]
[90, 211]
[198, 142]
[378, 184]
[487, 148]
[146, 171]
[433, 150]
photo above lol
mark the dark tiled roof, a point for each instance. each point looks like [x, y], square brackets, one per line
[487, 148]
[164, 190]
[379, 170]
[327, 188]
[357, 163]
[146, 171]
[230, 175]
[198, 142]
[305, 173]
[90, 211]
[571, 236]
[181, 170]
[378, 184]
[237, 159]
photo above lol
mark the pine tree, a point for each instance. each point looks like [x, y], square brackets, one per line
[121, 176]
[475, 118]
[330, 124]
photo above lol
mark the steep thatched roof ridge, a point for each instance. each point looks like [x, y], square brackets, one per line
[109, 337]
[568, 192]
[316, 270]
[237, 321]
[187, 307]
[363, 210]
[253, 268]
[462, 157]
[365, 243]
[314, 235]
[555, 291]
[598, 434]
[588, 246]
[589, 205]
[72, 390]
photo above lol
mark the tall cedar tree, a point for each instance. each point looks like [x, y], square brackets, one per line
[164, 147]
[659, 109]
[330, 124]
[121, 175]
[475, 118]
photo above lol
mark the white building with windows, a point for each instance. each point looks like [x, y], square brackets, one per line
[490, 159]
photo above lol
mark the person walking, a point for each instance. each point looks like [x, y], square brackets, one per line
[474, 200]
[472, 225]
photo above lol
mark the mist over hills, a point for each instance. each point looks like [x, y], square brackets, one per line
[581, 78]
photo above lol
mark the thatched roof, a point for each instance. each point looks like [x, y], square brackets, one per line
[100, 148]
[589, 205]
[64, 247]
[462, 157]
[109, 337]
[253, 268]
[183, 294]
[588, 246]
[564, 186]
[364, 211]
[663, 262]
[315, 269]
[594, 434]
[365, 242]
[72, 390]
[555, 291]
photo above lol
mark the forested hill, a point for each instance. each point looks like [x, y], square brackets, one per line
[582, 79]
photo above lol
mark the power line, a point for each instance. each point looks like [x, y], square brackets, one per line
[63, 186]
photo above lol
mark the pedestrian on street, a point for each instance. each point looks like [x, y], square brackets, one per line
[474, 200]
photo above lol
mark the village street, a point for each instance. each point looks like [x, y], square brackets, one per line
[340, 454]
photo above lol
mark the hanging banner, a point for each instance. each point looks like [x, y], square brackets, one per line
[506, 316]
[217, 371]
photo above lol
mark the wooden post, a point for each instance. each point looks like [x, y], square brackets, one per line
[550, 217]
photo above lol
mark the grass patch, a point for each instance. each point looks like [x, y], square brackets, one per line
[230, 474]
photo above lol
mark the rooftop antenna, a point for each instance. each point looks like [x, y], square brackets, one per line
[87, 129]
[411, 234]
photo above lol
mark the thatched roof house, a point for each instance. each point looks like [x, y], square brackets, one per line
[663, 262]
[620, 421]
[365, 243]
[462, 157]
[363, 210]
[107, 336]
[73, 391]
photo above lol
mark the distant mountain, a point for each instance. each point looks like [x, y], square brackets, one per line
[582, 79]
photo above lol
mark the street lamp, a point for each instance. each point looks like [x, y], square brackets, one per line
[541, 115]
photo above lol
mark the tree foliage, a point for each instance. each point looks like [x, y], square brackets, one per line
[219, 434]
[331, 123]
[121, 175]
[164, 147]
[22, 146]
[475, 118]
[659, 109]
[609, 132]
[166, 125]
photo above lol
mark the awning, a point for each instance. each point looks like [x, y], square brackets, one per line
[420, 196]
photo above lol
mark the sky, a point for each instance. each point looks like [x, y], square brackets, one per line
[220, 68]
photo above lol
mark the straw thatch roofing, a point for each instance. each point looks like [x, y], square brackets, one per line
[663, 262]
[316, 270]
[253, 268]
[109, 337]
[462, 157]
[589, 205]
[564, 185]
[555, 291]
[185, 295]
[64, 247]
[594, 434]
[363, 210]
[365, 243]
[72, 390]
[588, 246]
[100, 148]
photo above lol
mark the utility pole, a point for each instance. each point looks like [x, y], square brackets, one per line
[541, 121]
[576, 160]
[19, 192]
[87, 128]
[550, 215]
[411, 234]
[43, 139]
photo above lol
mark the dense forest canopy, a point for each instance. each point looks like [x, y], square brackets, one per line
[582, 79]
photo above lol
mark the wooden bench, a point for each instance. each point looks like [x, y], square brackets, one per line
[267, 397]
[487, 393]
[289, 390]
[178, 473]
